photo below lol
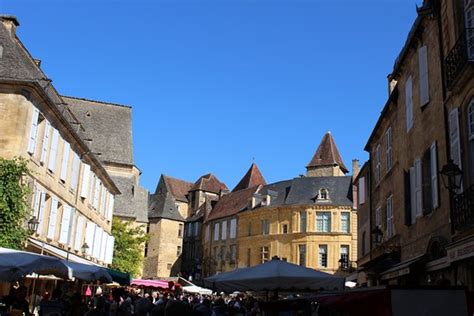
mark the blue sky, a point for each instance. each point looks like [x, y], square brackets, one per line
[216, 84]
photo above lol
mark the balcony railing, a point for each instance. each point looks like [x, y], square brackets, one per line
[460, 55]
[463, 212]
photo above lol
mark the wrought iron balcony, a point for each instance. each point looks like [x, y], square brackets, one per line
[460, 55]
[463, 212]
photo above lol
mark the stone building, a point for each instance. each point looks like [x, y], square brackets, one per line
[72, 192]
[308, 221]
[409, 210]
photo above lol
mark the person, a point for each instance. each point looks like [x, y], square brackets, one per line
[143, 306]
[203, 309]
[56, 306]
[19, 304]
[77, 308]
[154, 297]
[219, 309]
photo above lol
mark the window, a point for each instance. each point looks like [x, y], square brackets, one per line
[284, 229]
[345, 222]
[361, 190]
[169, 266]
[248, 256]
[75, 172]
[323, 194]
[65, 161]
[302, 255]
[323, 256]
[178, 251]
[45, 145]
[189, 229]
[423, 75]
[390, 224]
[53, 151]
[33, 131]
[388, 149]
[265, 227]
[469, 24]
[216, 231]
[378, 217]
[264, 254]
[409, 103]
[233, 228]
[180, 230]
[55, 205]
[303, 221]
[344, 256]
[224, 230]
[323, 222]
[207, 233]
[197, 227]
[377, 163]
[454, 140]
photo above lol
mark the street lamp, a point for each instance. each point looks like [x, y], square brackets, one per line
[33, 224]
[377, 235]
[452, 176]
[85, 248]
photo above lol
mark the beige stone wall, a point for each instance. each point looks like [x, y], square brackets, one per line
[163, 259]
[329, 171]
[286, 245]
[17, 112]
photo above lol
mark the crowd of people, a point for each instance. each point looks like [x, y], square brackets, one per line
[129, 302]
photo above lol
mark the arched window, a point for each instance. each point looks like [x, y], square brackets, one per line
[323, 194]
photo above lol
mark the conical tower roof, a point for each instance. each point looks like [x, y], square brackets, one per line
[327, 154]
[252, 178]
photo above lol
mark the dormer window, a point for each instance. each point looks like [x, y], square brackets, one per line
[323, 194]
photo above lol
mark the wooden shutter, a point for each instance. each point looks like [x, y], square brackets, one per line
[79, 232]
[427, 195]
[85, 180]
[233, 228]
[36, 202]
[434, 175]
[75, 172]
[97, 242]
[418, 187]
[103, 246]
[423, 75]
[89, 238]
[224, 230]
[407, 185]
[44, 147]
[454, 140]
[110, 249]
[110, 208]
[216, 231]
[54, 150]
[413, 194]
[97, 186]
[103, 200]
[362, 190]
[409, 103]
[52, 218]
[65, 224]
[65, 161]
[33, 131]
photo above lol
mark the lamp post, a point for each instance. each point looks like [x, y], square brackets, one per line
[85, 248]
[33, 224]
[377, 236]
[452, 180]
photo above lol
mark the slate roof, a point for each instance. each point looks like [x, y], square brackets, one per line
[209, 183]
[162, 205]
[232, 203]
[327, 154]
[252, 178]
[178, 188]
[131, 204]
[109, 126]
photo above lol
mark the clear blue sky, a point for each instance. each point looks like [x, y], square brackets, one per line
[215, 83]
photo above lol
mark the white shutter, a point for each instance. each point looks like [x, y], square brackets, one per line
[413, 194]
[85, 180]
[89, 238]
[419, 187]
[423, 75]
[44, 149]
[409, 103]
[224, 230]
[41, 212]
[110, 207]
[110, 249]
[103, 246]
[65, 224]
[65, 161]
[97, 242]
[54, 150]
[362, 190]
[36, 201]
[79, 232]
[103, 197]
[75, 172]
[434, 175]
[233, 228]
[52, 218]
[33, 131]
[96, 193]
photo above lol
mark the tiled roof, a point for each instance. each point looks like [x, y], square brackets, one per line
[252, 178]
[178, 188]
[209, 183]
[327, 154]
[232, 203]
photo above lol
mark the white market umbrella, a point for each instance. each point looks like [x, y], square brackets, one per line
[274, 275]
[15, 264]
[194, 289]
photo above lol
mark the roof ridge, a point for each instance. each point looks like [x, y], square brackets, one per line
[97, 101]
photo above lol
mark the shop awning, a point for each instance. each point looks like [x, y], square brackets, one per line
[403, 268]
[121, 278]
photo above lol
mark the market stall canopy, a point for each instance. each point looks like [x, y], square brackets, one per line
[151, 283]
[121, 278]
[15, 264]
[274, 275]
[194, 289]
[88, 272]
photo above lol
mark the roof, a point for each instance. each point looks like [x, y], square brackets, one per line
[162, 205]
[327, 154]
[108, 125]
[232, 203]
[133, 202]
[209, 183]
[177, 188]
[252, 178]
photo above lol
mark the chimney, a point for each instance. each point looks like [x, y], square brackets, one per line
[355, 168]
[10, 22]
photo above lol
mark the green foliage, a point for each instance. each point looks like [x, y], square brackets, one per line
[128, 249]
[13, 203]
